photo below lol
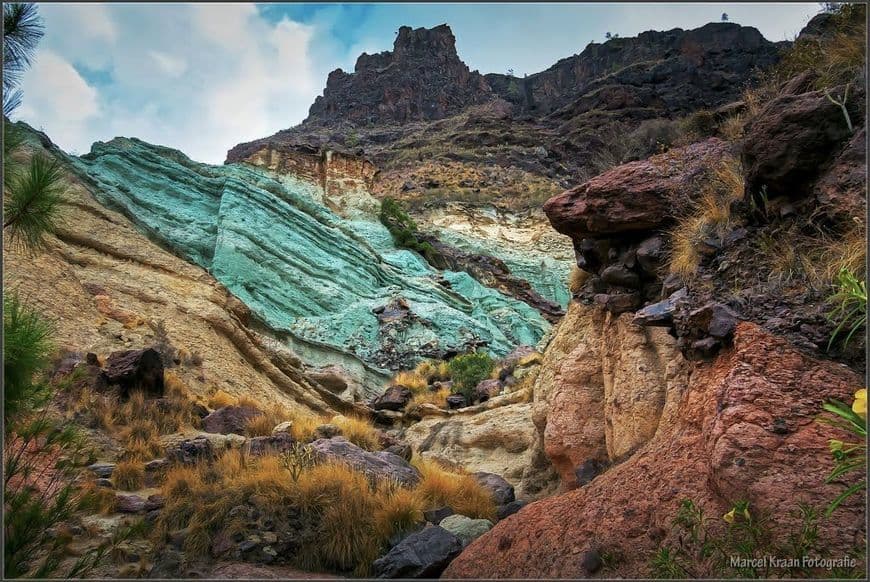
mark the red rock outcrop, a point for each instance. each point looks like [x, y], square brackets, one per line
[637, 196]
[744, 430]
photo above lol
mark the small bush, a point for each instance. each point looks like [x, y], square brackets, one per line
[403, 229]
[168, 352]
[304, 426]
[577, 279]
[400, 511]
[468, 370]
[850, 306]
[27, 347]
[129, 475]
[261, 425]
[141, 440]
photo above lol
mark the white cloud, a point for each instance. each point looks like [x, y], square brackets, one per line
[200, 78]
[59, 98]
[173, 67]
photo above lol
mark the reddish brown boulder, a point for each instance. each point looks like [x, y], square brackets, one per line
[135, 370]
[394, 398]
[792, 138]
[744, 429]
[230, 419]
[636, 196]
[486, 389]
[842, 190]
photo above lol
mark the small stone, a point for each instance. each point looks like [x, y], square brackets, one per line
[104, 470]
[435, 516]
[285, 427]
[129, 504]
[107, 483]
[590, 562]
[501, 491]
[455, 401]
[155, 501]
[156, 465]
[465, 528]
[509, 509]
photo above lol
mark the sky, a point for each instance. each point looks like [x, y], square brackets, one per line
[203, 77]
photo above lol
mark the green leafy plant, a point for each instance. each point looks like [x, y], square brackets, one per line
[850, 305]
[850, 457]
[468, 370]
[403, 229]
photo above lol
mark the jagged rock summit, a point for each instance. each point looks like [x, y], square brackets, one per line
[422, 78]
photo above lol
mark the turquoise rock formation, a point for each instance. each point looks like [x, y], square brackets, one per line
[314, 278]
[547, 275]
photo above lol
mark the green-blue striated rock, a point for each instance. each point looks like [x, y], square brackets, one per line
[302, 269]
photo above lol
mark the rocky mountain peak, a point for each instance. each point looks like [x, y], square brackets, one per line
[421, 79]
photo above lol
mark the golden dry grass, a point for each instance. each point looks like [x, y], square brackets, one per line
[129, 475]
[304, 426]
[411, 380]
[438, 398]
[731, 128]
[709, 217]
[261, 425]
[577, 279]
[433, 370]
[355, 516]
[439, 487]
[358, 431]
[221, 399]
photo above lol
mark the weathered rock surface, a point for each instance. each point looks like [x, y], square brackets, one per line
[309, 274]
[745, 429]
[603, 389]
[789, 142]
[230, 419]
[424, 554]
[136, 370]
[638, 196]
[393, 398]
[495, 441]
[377, 465]
[465, 528]
[502, 491]
[842, 191]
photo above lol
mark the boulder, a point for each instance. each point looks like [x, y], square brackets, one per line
[659, 314]
[793, 137]
[842, 190]
[135, 370]
[455, 401]
[719, 443]
[377, 465]
[508, 509]
[424, 554]
[649, 253]
[465, 528]
[103, 470]
[283, 428]
[190, 451]
[502, 492]
[155, 501]
[273, 444]
[393, 398]
[486, 389]
[638, 196]
[326, 431]
[434, 516]
[129, 503]
[230, 419]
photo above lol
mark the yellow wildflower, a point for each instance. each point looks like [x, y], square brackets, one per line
[835, 445]
[729, 517]
[859, 406]
[746, 512]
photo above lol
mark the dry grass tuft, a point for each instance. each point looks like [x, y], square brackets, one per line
[438, 398]
[413, 381]
[129, 475]
[261, 425]
[433, 370]
[304, 426]
[141, 439]
[577, 279]
[708, 218]
[400, 510]
[359, 431]
[220, 399]
[439, 487]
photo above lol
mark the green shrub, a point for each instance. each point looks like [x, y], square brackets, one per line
[468, 370]
[850, 305]
[403, 229]
[28, 345]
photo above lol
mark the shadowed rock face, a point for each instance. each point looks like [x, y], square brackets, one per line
[304, 271]
[422, 78]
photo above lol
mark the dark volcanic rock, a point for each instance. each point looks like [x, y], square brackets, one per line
[136, 370]
[424, 554]
[230, 419]
[393, 398]
[788, 143]
[659, 314]
[189, 452]
[509, 509]
[455, 401]
[422, 78]
[502, 492]
[379, 465]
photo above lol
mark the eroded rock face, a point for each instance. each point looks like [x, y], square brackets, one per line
[634, 197]
[842, 191]
[744, 429]
[496, 441]
[422, 78]
[603, 388]
[789, 142]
